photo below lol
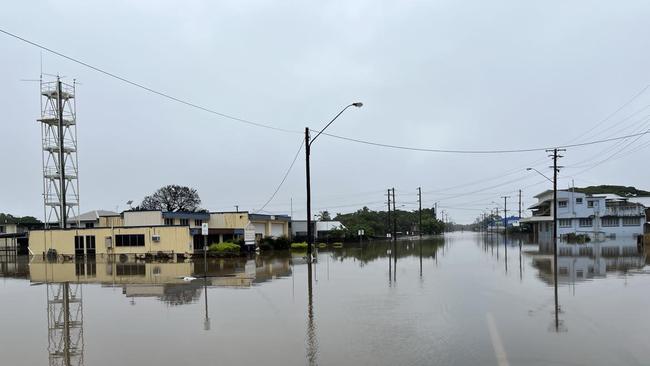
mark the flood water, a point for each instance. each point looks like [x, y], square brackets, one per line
[461, 300]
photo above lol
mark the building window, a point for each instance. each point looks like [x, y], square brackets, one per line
[562, 204]
[129, 240]
[610, 221]
[631, 221]
[564, 222]
[185, 222]
[79, 243]
[198, 222]
[169, 222]
[592, 203]
[2, 229]
[130, 269]
[579, 201]
[586, 222]
[90, 225]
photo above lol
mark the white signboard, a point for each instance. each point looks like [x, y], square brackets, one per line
[204, 228]
[361, 232]
[249, 234]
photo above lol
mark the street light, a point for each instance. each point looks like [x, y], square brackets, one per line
[540, 173]
[308, 143]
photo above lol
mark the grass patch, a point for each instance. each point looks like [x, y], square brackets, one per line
[322, 245]
[299, 246]
[337, 245]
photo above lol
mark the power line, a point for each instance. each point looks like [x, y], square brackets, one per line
[146, 88]
[643, 90]
[283, 178]
[267, 126]
[399, 147]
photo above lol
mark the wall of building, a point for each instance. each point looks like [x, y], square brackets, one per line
[110, 221]
[173, 239]
[597, 226]
[8, 228]
[143, 218]
[228, 220]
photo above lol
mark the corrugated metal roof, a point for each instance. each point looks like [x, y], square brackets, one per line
[93, 215]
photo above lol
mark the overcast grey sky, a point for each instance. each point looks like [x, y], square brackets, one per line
[434, 74]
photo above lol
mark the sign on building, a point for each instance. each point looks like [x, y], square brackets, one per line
[204, 228]
[249, 234]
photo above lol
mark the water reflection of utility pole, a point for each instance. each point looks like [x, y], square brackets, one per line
[420, 225]
[65, 324]
[206, 321]
[328, 267]
[520, 265]
[312, 341]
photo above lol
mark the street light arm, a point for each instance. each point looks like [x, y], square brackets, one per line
[540, 173]
[358, 105]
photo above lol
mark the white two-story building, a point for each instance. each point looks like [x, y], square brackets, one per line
[599, 216]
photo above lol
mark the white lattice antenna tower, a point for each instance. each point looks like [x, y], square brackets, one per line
[59, 141]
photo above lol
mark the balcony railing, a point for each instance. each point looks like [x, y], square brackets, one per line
[625, 211]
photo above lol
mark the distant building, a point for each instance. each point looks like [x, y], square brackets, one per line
[600, 215]
[13, 237]
[320, 229]
[91, 219]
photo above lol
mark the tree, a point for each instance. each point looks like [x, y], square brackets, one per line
[324, 216]
[173, 198]
[10, 219]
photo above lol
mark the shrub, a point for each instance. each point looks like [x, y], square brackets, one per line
[275, 243]
[337, 245]
[322, 245]
[225, 248]
[577, 238]
[299, 246]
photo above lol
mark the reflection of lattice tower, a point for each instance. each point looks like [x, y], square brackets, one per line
[65, 324]
[59, 140]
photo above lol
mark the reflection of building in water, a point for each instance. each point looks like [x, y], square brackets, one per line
[579, 262]
[172, 282]
[16, 267]
[65, 324]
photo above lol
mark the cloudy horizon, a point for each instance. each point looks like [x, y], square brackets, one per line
[440, 75]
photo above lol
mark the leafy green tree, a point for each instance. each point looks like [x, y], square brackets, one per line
[172, 198]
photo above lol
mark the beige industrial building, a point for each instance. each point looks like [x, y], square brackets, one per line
[172, 240]
[137, 233]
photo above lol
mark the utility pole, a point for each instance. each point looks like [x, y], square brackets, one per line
[556, 169]
[505, 219]
[388, 223]
[236, 208]
[420, 211]
[394, 219]
[308, 142]
[520, 204]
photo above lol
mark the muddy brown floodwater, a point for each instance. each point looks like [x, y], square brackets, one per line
[461, 300]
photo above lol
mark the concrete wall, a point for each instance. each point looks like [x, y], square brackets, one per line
[174, 239]
[143, 218]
